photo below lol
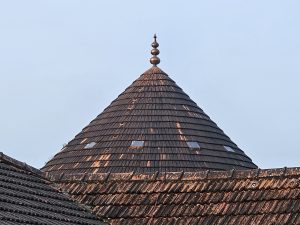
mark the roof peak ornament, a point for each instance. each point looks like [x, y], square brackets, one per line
[154, 60]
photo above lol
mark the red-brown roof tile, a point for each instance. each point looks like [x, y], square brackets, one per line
[207, 197]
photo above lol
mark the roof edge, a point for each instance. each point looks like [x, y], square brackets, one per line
[167, 176]
[20, 165]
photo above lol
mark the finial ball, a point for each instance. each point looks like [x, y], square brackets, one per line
[155, 44]
[155, 51]
[154, 60]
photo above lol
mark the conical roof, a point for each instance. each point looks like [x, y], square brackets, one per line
[152, 126]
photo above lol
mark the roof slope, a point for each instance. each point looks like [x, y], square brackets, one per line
[155, 110]
[27, 198]
[250, 197]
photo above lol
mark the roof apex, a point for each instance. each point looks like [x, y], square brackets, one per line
[155, 70]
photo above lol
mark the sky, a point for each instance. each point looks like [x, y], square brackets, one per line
[63, 61]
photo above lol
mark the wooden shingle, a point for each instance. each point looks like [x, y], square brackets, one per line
[156, 114]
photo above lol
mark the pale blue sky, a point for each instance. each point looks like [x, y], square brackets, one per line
[63, 61]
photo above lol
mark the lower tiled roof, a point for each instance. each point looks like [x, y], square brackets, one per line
[26, 197]
[269, 196]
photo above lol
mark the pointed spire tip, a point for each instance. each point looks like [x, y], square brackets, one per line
[154, 60]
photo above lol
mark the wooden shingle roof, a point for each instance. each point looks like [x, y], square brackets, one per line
[152, 126]
[26, 197]
[252, 197]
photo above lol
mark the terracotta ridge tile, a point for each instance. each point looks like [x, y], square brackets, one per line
[184, 176]
[202, 216]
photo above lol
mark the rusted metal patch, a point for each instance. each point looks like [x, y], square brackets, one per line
[144, 176]
[245, 173]
[271, 172]
[201, 175]
[219, 174]
[292, 171]
[120, 176]
[170, 176]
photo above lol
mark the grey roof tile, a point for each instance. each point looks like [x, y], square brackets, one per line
[27, 197]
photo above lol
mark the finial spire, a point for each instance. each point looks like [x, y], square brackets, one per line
[154, 59]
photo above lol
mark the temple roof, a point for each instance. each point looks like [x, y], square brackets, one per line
[27, 197]
[154, 157]
[152, 126]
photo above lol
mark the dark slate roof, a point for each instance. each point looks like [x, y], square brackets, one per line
[155, 110]
[26, 197]
[251, 197]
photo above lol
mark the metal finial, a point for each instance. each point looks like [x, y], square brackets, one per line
[154, 59]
